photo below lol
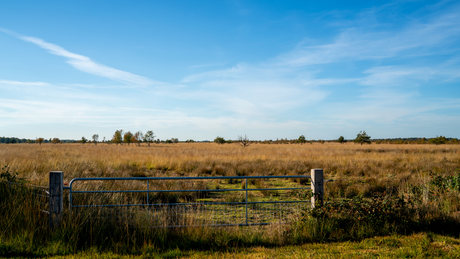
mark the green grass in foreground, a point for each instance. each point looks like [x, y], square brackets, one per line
[421, 245]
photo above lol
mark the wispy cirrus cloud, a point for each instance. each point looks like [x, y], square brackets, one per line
[18, 83]
[401, 76]
[33, 90]
[391, 109]
[370, 40]
[258, 90]
[84, 63]
[303, 76]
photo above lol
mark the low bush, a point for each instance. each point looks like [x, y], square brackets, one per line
[446, 183]
[378, 211]
[357, 218]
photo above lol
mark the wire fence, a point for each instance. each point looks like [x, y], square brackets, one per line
[204, 214]
[38, 195]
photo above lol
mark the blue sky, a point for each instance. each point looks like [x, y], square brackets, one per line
[201, 69]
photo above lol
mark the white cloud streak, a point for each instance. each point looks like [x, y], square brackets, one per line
[250, 90]
[87, 65]
[34, 90]
[84, 63]
[290, 81]
[359, 44]
[17, 83]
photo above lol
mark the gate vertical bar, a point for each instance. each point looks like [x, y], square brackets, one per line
[56, 184]
[317, 187]
[246, 201]
[70, 198]
[147, 193]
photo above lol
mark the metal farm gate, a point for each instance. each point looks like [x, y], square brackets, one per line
[187, 201]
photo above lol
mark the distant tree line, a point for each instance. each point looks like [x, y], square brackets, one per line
[437, 140]
[361, 138]
[122, 137]
[13, 140]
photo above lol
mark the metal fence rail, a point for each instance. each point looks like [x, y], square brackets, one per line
[141, 209]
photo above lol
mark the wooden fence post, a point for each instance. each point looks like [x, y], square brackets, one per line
[317, 187]
[56, 198]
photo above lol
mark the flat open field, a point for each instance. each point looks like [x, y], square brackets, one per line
[425, 179]
[357, 169]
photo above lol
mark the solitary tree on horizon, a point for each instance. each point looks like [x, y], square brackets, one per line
[137, 138]
[95, 138]
[219, 140]
[301, 139]
[40, 141]
[117, 137]
[55, 140]
[244, 141]
[149, 137]
[127, 137]
[362, 137]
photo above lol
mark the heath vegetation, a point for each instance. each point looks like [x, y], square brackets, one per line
[378, 189]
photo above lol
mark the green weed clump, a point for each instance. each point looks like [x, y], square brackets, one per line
[355, 219]
[379, 212]
[446, 183]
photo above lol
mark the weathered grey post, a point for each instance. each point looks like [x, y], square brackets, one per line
[317, 187]
[56, 198]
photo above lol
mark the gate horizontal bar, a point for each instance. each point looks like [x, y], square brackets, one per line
[204, 190]
[217, 225]
[185, 178]
[193, 204]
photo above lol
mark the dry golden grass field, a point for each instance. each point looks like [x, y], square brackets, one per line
[420, 184]
[356, 169]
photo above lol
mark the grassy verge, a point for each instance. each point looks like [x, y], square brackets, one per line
[421, 245]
